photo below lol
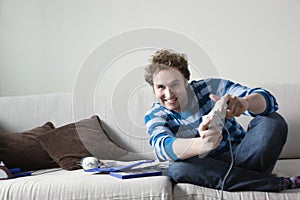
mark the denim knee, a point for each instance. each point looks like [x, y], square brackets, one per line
[274, 121]
[204, 171]
[279, 121]
[176, 172]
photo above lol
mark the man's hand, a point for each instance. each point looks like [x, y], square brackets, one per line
[235, 106]
[210, 138]
[255, 103]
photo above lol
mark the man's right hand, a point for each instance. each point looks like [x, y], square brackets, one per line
[210, 138]
[185, 148]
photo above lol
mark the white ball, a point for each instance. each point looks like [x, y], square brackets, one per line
[89, 163]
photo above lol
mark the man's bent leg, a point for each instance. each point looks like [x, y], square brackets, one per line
[209, 172]
[262, 144]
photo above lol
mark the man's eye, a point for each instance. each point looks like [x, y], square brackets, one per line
[174, 85]
[160, 86]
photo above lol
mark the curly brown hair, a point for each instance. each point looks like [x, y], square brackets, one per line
[164, 59]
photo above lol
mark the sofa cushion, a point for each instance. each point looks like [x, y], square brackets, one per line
[80, 185]
[23, 150]
[185, 191]
[68, 144]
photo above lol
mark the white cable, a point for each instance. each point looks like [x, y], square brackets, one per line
[231, 155]
[231, 163]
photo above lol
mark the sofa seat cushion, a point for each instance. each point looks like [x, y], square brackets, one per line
[80, 185]
[184, 191]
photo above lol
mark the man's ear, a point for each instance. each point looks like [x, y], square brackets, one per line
[186, 83]
[153, 88]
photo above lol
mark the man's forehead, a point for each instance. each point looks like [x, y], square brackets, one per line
[168, 75]
[166, 81]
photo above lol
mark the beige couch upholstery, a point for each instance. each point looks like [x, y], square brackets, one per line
[125, 126]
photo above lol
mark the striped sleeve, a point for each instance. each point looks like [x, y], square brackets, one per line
[220, 87]
[161, 138]
[271, 102]
[241, 91]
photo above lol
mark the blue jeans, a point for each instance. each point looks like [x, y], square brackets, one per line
[254, 160]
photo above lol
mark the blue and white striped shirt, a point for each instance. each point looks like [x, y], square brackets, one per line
[164, 126]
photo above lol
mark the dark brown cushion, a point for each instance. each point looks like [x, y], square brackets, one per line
[23, 150]
[68, 144]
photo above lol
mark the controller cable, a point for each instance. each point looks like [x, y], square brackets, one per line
[231, 155]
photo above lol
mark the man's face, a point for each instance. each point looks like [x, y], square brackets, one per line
[170, 89]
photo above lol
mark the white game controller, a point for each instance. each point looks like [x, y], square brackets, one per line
[218, 115]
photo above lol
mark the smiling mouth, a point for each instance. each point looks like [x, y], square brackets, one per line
[171, 101]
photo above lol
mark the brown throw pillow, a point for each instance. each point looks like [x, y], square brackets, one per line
[68, 144]
[23, 150]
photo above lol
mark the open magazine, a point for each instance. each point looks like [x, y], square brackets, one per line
[119, 166]
[133, 169]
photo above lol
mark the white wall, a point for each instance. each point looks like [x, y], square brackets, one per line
[43, 43]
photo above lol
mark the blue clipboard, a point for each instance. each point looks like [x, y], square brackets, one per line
[120, 168]
[127, 175]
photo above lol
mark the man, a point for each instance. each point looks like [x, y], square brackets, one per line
[202, 155]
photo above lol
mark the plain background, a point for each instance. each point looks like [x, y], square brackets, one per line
[43, 43]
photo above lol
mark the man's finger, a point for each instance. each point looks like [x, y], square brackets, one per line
[214, 97]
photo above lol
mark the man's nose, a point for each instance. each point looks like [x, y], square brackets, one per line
[169, 93]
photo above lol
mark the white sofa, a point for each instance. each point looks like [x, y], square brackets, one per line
[19, 113]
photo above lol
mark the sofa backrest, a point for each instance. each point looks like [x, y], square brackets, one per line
[20, 113]
[122, 115]
[288, 98]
